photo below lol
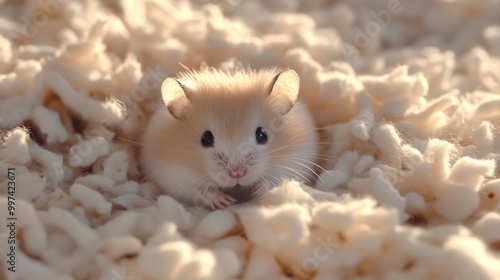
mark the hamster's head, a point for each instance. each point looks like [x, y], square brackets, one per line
[232, 125]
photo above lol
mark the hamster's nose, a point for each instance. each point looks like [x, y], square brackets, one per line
[237, 171]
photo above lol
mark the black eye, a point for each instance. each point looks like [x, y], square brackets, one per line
[207, 140]
[261, 136]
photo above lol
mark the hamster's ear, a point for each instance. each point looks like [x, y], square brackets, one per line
[284, 91]
[175, 96]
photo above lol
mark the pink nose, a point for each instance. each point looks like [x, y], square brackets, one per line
[237, 171]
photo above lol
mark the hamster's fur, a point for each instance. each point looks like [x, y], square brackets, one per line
[232, 105]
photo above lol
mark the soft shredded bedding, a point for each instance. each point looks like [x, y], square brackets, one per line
[408, 92]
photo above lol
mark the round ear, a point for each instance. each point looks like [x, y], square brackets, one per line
[284, 91]
[175, 97]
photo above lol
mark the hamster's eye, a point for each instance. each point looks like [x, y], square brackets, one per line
[207, 139]
[261, 136]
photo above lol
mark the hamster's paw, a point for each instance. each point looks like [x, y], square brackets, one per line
[221, 200]
[259, 189]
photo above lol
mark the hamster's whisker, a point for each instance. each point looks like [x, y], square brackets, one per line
[285, 147]
[315, 155]
[301, 159]
[196, 180]
[293, 170]
[197, 192]
[294, 160]
[312, 154]
[272, 183]
[207, 190]
[290, 174]
[328, 158]
[261, 178]
[130, 141]
[278, 180]
[297, 145]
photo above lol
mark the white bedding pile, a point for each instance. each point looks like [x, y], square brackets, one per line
[408, 91]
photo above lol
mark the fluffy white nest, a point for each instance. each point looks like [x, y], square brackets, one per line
[408, 90]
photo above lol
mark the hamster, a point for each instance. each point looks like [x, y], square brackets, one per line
[219, 130]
